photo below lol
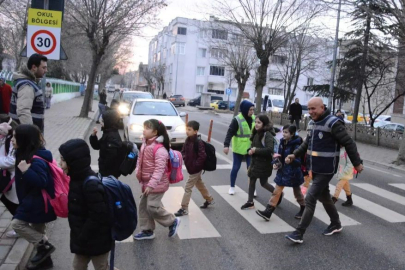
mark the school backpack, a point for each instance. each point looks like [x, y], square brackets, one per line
[275, 143]
[61, 184]
[210, 163]
[122, 209]
[128, 164]
[174, 167]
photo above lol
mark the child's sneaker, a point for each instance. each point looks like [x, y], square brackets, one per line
[173, 228]
[248, 205]
[332, 229]
[295, 237]
[181, 212]
[255, 194]
[231, 191]
[12, 234]
[206, 204]
[144, 235]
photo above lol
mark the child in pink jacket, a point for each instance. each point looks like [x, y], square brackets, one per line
[151, 172]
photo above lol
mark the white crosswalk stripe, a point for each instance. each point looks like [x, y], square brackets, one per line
[381, 192]
[373, 208]
[219, 167]
[400, 186]
[320, 212]
[275, 225]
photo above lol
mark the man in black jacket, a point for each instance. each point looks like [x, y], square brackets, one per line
[296, 113]
[326, 133]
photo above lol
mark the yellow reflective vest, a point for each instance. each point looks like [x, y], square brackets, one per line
[241, 141]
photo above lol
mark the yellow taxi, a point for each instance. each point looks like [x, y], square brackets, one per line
[214, 104]
[360, 118]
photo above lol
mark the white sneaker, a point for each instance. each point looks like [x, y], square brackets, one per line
[255, 194]
[231, 191]
[12, 234]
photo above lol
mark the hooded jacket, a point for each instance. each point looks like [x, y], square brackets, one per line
[261, 160]
[194, 160]
[90, 226]
[151, 168]
[29, 186]
[234, 126]
[110, 146]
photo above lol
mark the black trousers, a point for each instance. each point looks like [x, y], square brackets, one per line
[11, 207]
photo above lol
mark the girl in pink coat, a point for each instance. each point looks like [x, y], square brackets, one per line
[151, 172]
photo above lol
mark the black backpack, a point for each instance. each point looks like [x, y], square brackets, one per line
[210, 163]
[129, 158]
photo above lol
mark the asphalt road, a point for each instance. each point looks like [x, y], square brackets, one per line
[373, 243]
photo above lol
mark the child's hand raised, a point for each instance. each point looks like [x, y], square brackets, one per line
[95, 130]
[23, 166]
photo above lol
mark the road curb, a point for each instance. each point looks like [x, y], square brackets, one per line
[385, 166]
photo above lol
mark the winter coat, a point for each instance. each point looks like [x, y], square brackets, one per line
[296, 110]
[89, 222]
[345, 171]
[103, 99]
[290, 175]
[260, 165]
[29, 190]
[7, 161]
[194, 160]
[151, 169]
[234, 126]
[48, 92]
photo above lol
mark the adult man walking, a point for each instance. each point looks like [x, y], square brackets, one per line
[27, 102]
[5, 94]
[296, 113]
[326, 134]
[239, 131]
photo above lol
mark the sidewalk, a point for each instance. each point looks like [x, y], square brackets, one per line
[374, 155]
[61, 124]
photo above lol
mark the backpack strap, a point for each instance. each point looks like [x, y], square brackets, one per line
[156, 147]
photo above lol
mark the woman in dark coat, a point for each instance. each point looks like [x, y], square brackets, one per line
[262, 151]
[288, 175]
[90, 225]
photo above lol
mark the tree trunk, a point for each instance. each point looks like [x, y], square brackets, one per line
[260, 83]
[362, 68]
[88, 96]
[103, 81]
[241, 89]
[399, 88]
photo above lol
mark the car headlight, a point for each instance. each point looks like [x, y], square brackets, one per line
[136, 128]
[123, 108]
[181, 128]
[275, 109]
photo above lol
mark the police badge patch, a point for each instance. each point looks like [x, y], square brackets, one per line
[320, 135]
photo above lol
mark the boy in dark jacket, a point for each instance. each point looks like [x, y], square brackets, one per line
[194, 158]
[110, 145]
[90, 227]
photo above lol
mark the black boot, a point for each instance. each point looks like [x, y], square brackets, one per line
[44, 250]
[334, 199]
[266, 214]
[299, 214]
[46, 264]
[349, 201]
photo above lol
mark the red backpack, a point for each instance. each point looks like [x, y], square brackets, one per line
[61, 183]
[174, 167]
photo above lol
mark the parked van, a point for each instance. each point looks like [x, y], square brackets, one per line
[197, 101]
[275, 103]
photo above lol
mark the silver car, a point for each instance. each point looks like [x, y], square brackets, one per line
[177, 100]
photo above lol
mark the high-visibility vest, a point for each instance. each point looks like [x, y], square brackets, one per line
[241, 142]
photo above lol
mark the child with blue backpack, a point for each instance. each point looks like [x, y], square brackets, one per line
[152, 173]
[89, 220]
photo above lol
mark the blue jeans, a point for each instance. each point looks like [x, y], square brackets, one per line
[101, 110]
[237, 162]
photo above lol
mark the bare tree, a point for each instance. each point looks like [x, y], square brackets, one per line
[266, 24]
[159, 75]
[105, 23]
[148, 75]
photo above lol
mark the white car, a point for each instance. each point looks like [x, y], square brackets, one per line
[390, 126]
[163, 110]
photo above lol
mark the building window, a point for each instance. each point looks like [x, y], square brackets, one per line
[171, 68]
[310, 81]
[217, 71]
[202, 53]
[181, 31]
[275, 75]
[202, 34]
[158, 56]
[218, 53]
[279, 59]
[275, 91]
[154, 58]
[200, 71]
[219, 34]
[312, 65]
[179, 48]
[199, 88]
[219, 92]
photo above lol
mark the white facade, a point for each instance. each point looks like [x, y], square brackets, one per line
[192, 68]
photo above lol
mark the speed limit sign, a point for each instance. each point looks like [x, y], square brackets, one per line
[43, 33]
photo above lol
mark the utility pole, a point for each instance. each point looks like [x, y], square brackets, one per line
[332, 81]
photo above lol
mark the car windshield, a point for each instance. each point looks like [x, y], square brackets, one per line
[129, 97]
[154, 108]
[304, 107]
[278, 103]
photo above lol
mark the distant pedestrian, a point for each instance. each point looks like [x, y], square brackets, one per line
[5, 95]
[27, 102]
[89, 220]
[240, 131]
[344, 175]
[261, 152]
[151, 173]
[102, 104]
[32, 175]
[326, 133]
[288, 175]
[194, 157]
[164, 95]
[48, 95]
[296, 113]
